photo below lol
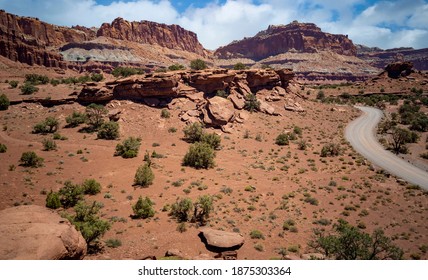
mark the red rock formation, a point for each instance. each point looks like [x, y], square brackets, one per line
[28, 40]
[301, 37]
[147, 32]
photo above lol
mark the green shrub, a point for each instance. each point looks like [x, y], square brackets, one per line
[109, 131]
[144, 176]
[55, 82]
[256, 234]
[143, 208]
[203, 207]
[3, 148]
[86, 220]
[91, 186]
[176, 67]
[198, 64]
[288, 224]
[70, 194]
[239, 66]
[193, 132]
[36, 79]
[53, 201]
[4, 102]
[182, 209]
[30, 159]
[97, 77]
[128, 148]
[330, 150]
[126, 72]
[49, 125]
[165, 114]
[212, 139]
[320, 95]
[48, 144]
[199, 155]
[95, 114]
[113, 243]
[28, 89]
[251, 103]
[282, 139]
[75, 119]
[13, 84]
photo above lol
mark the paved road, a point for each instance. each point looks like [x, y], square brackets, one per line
[361, 134]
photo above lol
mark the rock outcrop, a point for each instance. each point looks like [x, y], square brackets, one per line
[295, 37]
[147, 32]
[399, 69]
[222, 239]
[37, 233]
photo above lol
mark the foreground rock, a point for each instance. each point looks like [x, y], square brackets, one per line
[37, 233]
[222, 239]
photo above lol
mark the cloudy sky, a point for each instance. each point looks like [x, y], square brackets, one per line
[385, 24]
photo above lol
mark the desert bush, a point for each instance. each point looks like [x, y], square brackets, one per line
[53, 201]
[198, 64]
[75, 119]
[144, 176]
[86, 220]
[97, 77]
[251, 103]
[320, 95]
[49, 125]
[203, 207]
[36, 79]
[13, 84]
[288, 224]
[282, 139]
[108, 131]
[302, 145]
[199, 155]
[70, 194]
[4, 102]
[165, 114]
[143, 208]
[113, 243]
[95, 114]
[423, 155]
[176, 67]
[128, 148]
[349, 243]
[182, 209]
[28, 89]
[31, 159]
[126, 72]
[48, 144]
[55, 82]
[239, 66]
[256, 234]
[330, 150]
[212, 139]
[91, 186]
[193, 132]
[3, 148]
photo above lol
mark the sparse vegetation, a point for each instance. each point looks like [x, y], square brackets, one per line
[49, 144]
[91, 186]
[251, 103]
[143, 208]
[49, 125]
[13, 84]
[4, 102]
[95, 114]
[144, 176]
[176, 67]
[75, 119]
[165, 114]
[28, 89]
[199, 155]
[239, 66]
[198, 64]
[128, 148]
[31, 159]
[53, 201]
[330, 150]
[126, 72]
[256, 234]
[193, 132]
[3, 148]
[108, 131]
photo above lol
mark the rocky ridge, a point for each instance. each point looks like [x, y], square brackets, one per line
[295, 37]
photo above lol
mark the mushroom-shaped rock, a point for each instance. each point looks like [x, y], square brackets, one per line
[37, 233]
[220, 110]
[222, 239]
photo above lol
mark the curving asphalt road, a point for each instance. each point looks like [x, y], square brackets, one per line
[361, 134]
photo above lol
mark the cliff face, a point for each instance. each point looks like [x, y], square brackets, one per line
[146, 32]
[381, 58]
[300, 37]
[31, 41]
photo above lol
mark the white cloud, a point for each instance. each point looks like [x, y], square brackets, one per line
[384, 24]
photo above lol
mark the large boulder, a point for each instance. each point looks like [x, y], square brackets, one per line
[220, 111]
[399, 69]
[222, 239]
[37, 233]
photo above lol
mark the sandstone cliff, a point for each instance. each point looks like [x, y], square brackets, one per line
[31, 41]
[295, 37]
[147, 32]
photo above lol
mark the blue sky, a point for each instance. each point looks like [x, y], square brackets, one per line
[381, 23]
